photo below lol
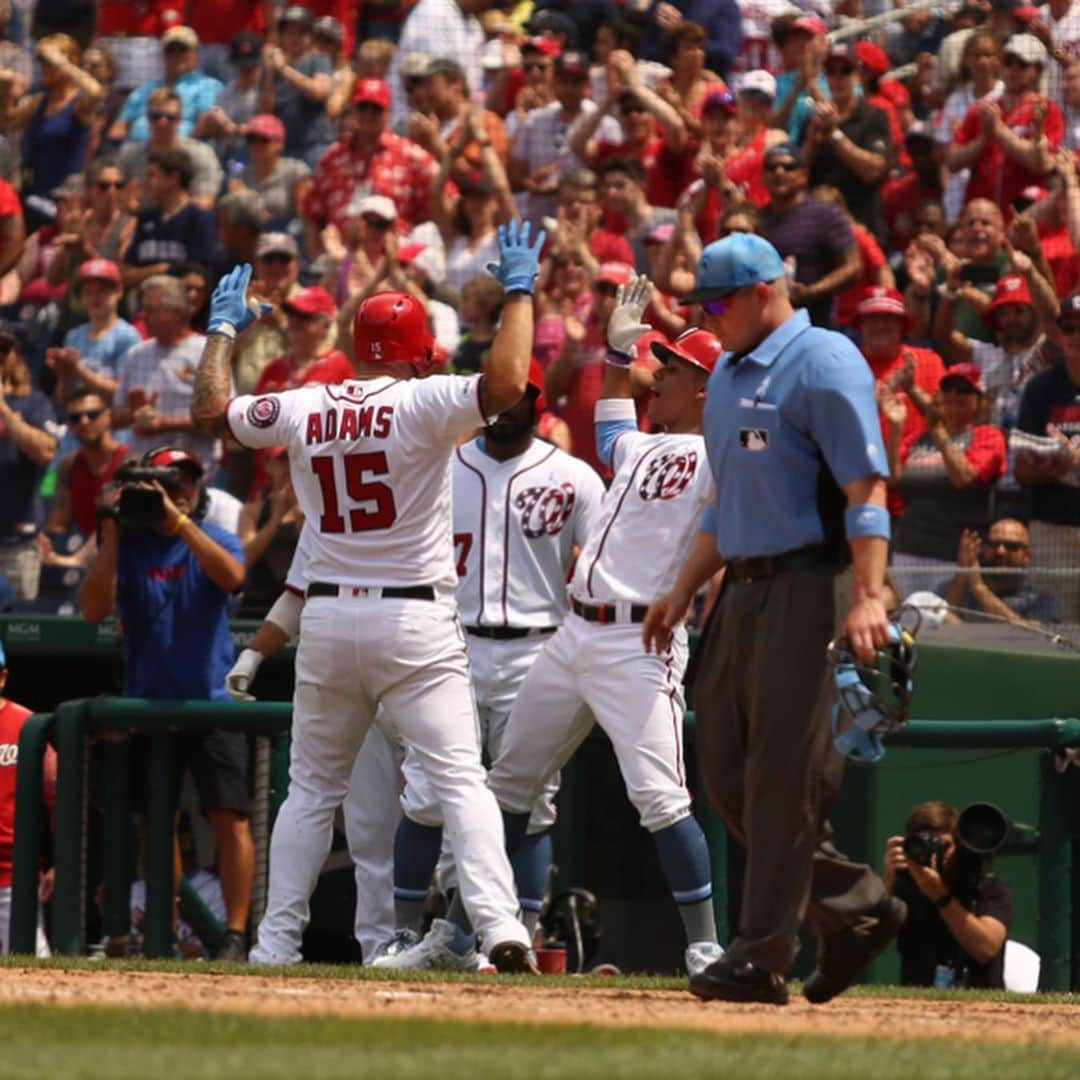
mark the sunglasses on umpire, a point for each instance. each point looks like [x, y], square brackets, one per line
[719, 305]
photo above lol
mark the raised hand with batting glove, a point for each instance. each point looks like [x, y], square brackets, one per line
[625, 325]
[231, 312]
[519, 261]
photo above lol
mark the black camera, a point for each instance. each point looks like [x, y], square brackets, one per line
[141, 506]
[924, 848]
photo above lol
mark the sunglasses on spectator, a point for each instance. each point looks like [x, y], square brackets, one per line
[257, 139]
[83, 414]
[1008, 545]
[718, 305]
[277, 257]
[537, 65]
[782, 166]
[1012, 60]
[156, 114]
[373, 221]
[176, 47]
[633, 107]
[108, 185]
[369, 107]
[1069, 329]
[412, 83]
[839, 69]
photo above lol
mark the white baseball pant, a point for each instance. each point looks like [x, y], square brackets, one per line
[498, 671]
[371, 813]
[354, 653]
[42, 944]
[637, 699]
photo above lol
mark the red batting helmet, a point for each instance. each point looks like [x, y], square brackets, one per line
[696, 347]
[392, 327]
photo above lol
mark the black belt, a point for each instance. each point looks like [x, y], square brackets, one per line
[763, 566]
[509, 633]
[606, 613]
[388, 592]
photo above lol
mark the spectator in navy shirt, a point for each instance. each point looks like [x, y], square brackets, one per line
[813, 237]
[170, 584]
[721, 20]
[173, 229]
[27, 446]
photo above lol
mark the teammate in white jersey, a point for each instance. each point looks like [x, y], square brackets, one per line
[521, 508]
[371, 468]
[661, 488]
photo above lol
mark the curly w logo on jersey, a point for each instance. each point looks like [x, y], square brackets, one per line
[545, 510]
[668, 475]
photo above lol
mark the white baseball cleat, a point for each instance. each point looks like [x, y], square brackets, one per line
[432, 953]
[388, 952]
[699, 955]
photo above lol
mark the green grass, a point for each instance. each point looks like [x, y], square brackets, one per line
[42, 1042]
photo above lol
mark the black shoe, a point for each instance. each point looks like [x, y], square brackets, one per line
[727, 980]
[513, 958]
[232, 949]
[843, 955]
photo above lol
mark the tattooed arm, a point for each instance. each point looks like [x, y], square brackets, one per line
[212, 386]
[230, 313]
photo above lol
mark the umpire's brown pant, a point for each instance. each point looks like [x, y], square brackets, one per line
[763, 697]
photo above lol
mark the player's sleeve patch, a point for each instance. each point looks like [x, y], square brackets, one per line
[263, 411]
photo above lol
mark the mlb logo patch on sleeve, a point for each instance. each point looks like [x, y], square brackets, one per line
[753, 439]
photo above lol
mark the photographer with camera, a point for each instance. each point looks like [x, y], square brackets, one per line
[958, 912]
[169, 575]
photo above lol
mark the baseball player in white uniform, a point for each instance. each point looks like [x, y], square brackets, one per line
[522, 507]
[371, 811]
[370, 462]
[661, 488]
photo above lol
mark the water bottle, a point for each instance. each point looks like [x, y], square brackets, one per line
[944, 977]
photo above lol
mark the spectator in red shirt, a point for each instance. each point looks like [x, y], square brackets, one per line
[12, 228]
[217, 22]
[946, 474]
[755, 92]
[627, 210]
[82, 474]
[921, 183]
[639, 110]
[368, 154]
[888, 95]
[911, 373]
[574, 378]
[1009, 143]
[310, 313]
[690, 83]
[1045, 231]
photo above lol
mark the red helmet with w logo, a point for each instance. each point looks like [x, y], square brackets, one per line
[392, 327]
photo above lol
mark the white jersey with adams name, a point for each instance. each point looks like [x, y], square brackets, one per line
[370, 462]
[651, 512]
[516, 523]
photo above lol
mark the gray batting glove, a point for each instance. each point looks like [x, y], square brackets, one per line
[241, 673]
[625, 325]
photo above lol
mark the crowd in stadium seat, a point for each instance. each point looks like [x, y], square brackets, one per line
[918, 175]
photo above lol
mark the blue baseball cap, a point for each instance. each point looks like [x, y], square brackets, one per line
[729, 264]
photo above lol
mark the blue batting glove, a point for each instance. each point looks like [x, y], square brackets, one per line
[519, 262]
[230, 310]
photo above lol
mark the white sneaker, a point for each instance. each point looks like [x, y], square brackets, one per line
[699, 955]
[386, 954]
[433, 953]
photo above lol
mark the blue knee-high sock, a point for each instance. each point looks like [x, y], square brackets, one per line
[515, 826]
[684, 856]
[416, 851]
[532, 865]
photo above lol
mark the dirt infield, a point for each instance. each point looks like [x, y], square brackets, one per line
[551, 1003]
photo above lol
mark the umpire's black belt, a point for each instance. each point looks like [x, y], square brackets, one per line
[509, 633]
[387, 592]
[608, 613]
[763, 566]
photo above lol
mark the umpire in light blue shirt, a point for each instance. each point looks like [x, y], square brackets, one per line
[800, 524]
